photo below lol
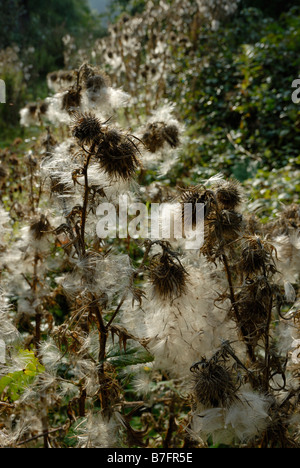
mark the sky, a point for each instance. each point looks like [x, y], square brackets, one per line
[99, 5]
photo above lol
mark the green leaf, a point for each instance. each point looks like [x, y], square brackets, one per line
[14, 384]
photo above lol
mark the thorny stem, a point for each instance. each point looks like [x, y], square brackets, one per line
[233, 301]
[31, 189]
[267, 341]
[72, 236]
[103, 335]
[38, 321]
[81, 402]
[103, 331]
[171, 426]
[38, 316]
[235, 307]
[86, 198]
[43, 434]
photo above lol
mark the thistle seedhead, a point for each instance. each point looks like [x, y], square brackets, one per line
[117, 154]
[222, 228]
[230, 223]
[97, 82]
[229, 195]
[255, 301]
[71, 99]
[256, 256]
[92, 78]
[86, 128]
[197, 195]
[158, 133]
[214, 385]
[39, 228]
[167, 275]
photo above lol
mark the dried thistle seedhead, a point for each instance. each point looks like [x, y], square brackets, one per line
[67, 75]
[93, 78]
[53, 76]
[292, 212]
[40, 228]
[214, 384]
[229, 195]
[158, 133]
[254, 301]
[197, 195]
[168, 276]
[230, 224]
[257, 256]
[43, 107]
[86, 128]
[171, 135]
[71, 99]
[221, 229]
[117, 154]
[153, 138]
[97, 82]
[32, 108]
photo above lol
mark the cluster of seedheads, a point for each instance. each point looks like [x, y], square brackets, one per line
[88, 79]
[116, 152]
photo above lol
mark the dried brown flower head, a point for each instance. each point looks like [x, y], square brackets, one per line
[93, 78]
[197, 195]
[221, 229]
[214, 385]
[117, 154]
[71, 99]
[256, 256]
[230, 224]
[158, 133]
[53, 76]
[167, 275]
[39, 228]
[43, 107]
[254, 301]
[87, 128]
[32, 108]
[97, 82]
[228, 195]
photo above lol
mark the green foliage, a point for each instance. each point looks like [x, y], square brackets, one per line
[32, 33]
[244, 88]
[132, 356]
[14, 383]
[274, 8]
[42, 24]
